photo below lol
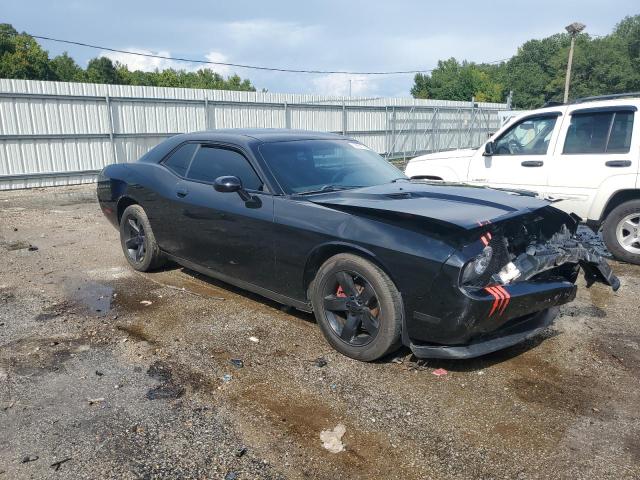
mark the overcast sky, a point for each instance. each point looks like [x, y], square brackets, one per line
[308, 34]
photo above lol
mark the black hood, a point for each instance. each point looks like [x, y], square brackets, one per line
[463, 206]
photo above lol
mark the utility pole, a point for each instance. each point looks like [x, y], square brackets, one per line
[574, 29]
[349, 88]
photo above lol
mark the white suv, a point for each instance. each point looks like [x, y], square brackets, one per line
[585, 154]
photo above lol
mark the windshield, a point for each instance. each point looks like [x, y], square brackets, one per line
[312, 165]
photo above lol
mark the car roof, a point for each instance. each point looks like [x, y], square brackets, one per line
[264, 134]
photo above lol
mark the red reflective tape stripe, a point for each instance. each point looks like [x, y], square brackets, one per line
[495, 300]
[507, 299]
[489, 235]
[500, 296]
[485, 241]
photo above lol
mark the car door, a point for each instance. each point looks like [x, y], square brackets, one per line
[596, 145]
[219, 230]
[520, 155]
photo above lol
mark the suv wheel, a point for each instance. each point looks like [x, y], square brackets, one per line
[621, 232]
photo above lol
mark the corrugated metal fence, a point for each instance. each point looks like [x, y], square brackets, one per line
[55, 133]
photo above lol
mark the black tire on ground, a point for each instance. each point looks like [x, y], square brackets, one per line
[375, 305]
[614, 220]
[137, 240]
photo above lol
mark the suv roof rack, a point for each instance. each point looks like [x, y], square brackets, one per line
[608, 97]
[552, 103]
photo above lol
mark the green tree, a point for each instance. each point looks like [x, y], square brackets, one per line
[66, 69]
[22, 57]
[102, 70]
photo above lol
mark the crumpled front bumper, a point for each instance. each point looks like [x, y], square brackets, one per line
[512, 333]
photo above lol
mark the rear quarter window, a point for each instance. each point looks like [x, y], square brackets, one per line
[178, 162]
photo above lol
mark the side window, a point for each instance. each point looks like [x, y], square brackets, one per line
[212, 162]
[620, 137]
[599, 132]
[531, 136]
[179, 160]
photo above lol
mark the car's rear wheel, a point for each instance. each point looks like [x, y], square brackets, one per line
[621, 232]
[357, 306]
[138, 242]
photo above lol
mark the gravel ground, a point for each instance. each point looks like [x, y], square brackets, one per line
[96, 382]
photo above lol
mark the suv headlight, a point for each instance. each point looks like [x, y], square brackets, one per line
[478, 266]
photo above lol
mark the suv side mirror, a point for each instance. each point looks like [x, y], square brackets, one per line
[229, 184]
[488, 149]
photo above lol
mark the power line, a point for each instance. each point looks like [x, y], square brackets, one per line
[238, 65]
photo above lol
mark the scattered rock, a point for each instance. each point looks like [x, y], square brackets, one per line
[32, 248]
[320, 362]
[332, 439]
[93, 401]
[227, 377]
[29, 458]
[241, 451]
[99, 373]
[254, 339]
[231, 476]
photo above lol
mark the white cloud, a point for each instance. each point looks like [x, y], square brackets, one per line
[149, 64]
[338, 84]
[260, 32]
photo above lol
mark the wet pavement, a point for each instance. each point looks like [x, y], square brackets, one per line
[108, 373]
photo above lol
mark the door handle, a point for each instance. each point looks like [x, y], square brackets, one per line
[618, 163]
[532, 163]
[181, 191]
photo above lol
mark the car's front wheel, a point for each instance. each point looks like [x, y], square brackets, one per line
[138, 242]
[621, 232]
[358, 307]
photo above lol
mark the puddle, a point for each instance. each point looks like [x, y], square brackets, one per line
[95, 297]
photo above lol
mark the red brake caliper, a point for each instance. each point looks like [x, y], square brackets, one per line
[340, 292]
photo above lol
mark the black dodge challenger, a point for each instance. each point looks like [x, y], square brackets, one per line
[322, 223]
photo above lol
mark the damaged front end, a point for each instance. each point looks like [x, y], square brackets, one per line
[562, 248]
[511, 277]
[536, 247]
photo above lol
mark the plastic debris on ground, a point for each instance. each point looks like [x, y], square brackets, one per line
[332, 439]
[439, 372]
[236, 362]
[254, 339]
[227, 377]
[146, 303]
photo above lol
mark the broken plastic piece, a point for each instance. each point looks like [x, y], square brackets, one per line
[332, 439]
[439, 372]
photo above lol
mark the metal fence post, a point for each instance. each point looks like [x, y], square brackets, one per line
[344, 118]
[287, 116]
[206, 112]
[111, 128]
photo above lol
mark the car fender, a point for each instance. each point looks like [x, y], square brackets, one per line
[607, 189]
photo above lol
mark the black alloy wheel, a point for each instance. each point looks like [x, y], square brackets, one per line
[138, 242]
[351, 308]
[357, 306]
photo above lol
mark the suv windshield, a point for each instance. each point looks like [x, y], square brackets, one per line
[313, 165]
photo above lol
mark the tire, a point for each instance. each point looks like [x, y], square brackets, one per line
[151, 257]
[361, 319]
[623, 223]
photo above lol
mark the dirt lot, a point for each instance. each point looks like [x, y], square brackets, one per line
[95, 377]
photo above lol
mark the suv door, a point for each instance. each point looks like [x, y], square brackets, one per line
[220, 230]
[594, 146]
[521, 155]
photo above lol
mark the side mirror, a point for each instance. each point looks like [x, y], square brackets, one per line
[229, 184]
[488, 149]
